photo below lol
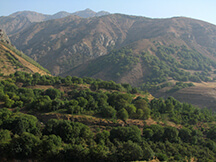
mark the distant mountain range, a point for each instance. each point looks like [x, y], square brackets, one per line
[38, 17]
[18, 21]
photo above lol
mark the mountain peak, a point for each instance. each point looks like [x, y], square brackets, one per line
[88, 9]
[58, 15]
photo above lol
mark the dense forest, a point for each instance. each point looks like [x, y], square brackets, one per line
[24, 136]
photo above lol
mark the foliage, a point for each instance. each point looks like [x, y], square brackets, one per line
[23, 137]
[122, 60]
[126, 133]
[122, 114]
[176, 63]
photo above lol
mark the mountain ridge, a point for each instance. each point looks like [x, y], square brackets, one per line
[20, 20]
[94, 37]
[34, 16]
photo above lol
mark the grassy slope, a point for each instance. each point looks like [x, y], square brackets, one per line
[20, 59]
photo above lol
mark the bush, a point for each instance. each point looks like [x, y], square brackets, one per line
[161, 157]
[122, 114]
[108, 112]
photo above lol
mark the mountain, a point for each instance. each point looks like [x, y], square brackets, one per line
[13, 60]
[4, 38]
[38, 17]
[31, 16]
[89, 13]
[149, 53]
[14, 25]
[63, 44]
[58, 15]
[18, 21]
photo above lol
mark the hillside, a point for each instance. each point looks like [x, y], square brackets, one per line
[46, 118]
[172, 71]
[14, 25]
[13, 60]
[76, 40]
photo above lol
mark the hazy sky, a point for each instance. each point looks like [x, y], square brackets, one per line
[199, 9]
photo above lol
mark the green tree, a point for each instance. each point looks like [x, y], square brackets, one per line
[143, 105]
[8, 102]
[148, 133]
[148, 153]
[21, 124]
[5, 139]
[170, 133]
[212, 133]
[122, 114]
[161, 157]
[130, 151]
[169, 107]
[42, 103]
[5, 136]
[50, 146]
[131, 109]
[102, 136]
[119, 100]
[24, 147]
[108, 112]
[132, 133]
[158, 132]
[82, 101]
[185, 134]
[53, 93]
[68, 130]
[75, 152]
[99, 152]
